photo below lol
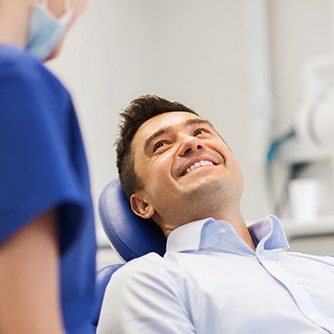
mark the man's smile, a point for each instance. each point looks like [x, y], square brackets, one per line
[196, 165]
[198, 162]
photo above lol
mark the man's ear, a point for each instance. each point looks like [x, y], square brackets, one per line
[140, 206]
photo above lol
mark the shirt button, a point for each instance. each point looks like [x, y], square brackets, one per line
[221, 230]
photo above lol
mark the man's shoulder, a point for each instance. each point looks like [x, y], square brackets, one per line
[147, 273]
[151, 263]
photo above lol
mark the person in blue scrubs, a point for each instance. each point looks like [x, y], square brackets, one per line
[47, 235]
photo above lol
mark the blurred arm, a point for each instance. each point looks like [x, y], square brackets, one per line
[29, 263]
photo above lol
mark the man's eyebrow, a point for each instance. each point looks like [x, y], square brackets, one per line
[154, 135]
[194, 121]
[166, 129]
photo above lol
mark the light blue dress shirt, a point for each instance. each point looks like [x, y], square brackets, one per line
[210, 281]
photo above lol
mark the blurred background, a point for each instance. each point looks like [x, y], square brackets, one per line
[252, 67]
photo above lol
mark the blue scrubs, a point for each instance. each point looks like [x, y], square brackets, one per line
[43, 166]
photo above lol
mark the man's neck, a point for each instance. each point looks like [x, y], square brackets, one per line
[14, 21]
[236, 219]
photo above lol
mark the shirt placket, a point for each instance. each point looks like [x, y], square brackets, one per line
[301, 297]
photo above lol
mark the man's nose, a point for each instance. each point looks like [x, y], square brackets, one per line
[189, 146]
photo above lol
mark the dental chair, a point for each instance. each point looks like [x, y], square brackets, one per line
[130, 236]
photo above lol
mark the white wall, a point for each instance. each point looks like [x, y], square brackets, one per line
[204, 54]
[301, 31]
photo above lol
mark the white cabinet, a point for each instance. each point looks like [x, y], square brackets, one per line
[315, 238]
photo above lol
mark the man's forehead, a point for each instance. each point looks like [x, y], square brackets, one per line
[166, 120]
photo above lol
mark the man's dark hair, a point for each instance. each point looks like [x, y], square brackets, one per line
[138, 112]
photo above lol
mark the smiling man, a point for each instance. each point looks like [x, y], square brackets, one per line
[217, 275]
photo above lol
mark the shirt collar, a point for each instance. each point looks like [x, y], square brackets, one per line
[186, 237]
[267, 234]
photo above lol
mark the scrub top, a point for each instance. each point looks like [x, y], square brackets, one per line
[43, 166]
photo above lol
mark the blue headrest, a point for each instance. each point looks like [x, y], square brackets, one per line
[130, 235]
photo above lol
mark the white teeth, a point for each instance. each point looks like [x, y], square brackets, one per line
[198, 164]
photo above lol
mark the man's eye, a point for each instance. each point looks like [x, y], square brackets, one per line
[200, 131]
[158, 145]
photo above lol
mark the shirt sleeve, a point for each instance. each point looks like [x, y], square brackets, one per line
[36, 173]
[142, 298]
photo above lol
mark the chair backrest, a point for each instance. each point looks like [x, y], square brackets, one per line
[129, 235]
[102, 279]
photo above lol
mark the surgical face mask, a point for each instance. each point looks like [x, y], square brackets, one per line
[46, 30]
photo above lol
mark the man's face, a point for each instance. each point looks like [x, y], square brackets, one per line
[185, 167]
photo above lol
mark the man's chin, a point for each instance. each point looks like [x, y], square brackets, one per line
[203, 196]
[204, 183]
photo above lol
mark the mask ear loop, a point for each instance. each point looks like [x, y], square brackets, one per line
[69, 12]
[67, 5]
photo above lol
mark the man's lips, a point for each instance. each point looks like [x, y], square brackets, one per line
[195, 160]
